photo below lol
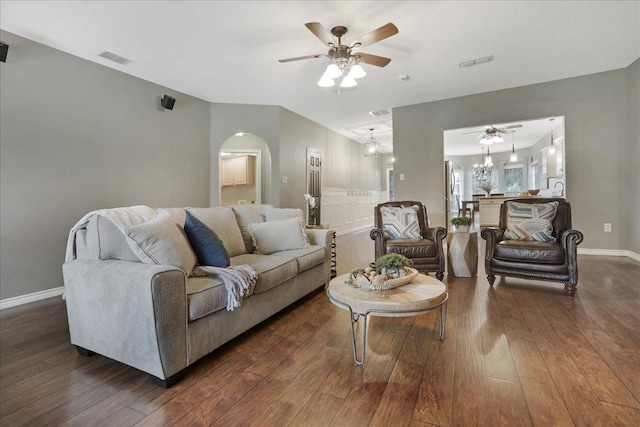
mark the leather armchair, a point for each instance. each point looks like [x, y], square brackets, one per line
[427, 253]
[551, 261]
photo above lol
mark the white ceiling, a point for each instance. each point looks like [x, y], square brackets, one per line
[227, 52]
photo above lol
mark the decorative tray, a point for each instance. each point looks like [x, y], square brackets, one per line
[381, 283]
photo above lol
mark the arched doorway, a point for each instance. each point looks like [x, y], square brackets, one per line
[244, 167]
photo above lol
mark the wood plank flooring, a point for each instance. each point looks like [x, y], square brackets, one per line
[518, 354]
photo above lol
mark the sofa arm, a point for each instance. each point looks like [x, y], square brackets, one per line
[322, 237]
[132, 312]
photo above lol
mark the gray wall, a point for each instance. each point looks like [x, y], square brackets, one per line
[632, 203]
[77, 136]
[596, 110]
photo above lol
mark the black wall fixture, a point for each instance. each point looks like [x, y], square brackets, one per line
[4, 49]
[168, 102]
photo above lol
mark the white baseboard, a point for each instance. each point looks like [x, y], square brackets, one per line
[36, 296]
[609, 252]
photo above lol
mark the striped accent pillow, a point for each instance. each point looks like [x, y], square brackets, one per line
[401, 223]
[530, 221]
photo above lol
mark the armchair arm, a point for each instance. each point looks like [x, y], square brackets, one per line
[492, 235]
[132, 312]
[377, 234]
[437, 234]
[570, 240]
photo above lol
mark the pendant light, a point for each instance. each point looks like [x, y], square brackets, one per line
[513, 157]
[552, 148]
[372, 148]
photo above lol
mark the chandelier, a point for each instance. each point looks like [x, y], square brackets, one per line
[485, 167]
[372, 148]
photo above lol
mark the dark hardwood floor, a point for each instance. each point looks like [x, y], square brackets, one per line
[521, 353]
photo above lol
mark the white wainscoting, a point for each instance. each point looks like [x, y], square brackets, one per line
[347, 210]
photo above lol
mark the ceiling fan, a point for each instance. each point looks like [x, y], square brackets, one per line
[345, 61]
[491, 133]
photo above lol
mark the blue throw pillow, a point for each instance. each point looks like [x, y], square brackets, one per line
[205, 243]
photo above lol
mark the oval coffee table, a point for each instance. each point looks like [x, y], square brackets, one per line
[424, 293]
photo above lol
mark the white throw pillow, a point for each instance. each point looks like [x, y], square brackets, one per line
[223, 222]
[161, 241]
[276, 236]
[276, 214]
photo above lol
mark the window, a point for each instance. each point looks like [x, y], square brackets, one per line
[513, 180]
[534, 174]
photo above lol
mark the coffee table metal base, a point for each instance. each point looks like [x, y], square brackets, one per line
[355, 317]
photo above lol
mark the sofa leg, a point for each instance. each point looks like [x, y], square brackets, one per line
[168, 382]
[569, 289]
[440, 275]
[84, 352]
[491, 278]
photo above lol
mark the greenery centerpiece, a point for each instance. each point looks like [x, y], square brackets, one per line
[462, 223]
[392, 265]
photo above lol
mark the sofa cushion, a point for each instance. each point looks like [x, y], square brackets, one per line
[276, 214]
[305, 258]
[530, 221]
[276, 236]
[205, 295]
[272, 270]
[401, 223]
[245, 215]
[223, 222]
[535, 252]
[205, 243]
[161, 241]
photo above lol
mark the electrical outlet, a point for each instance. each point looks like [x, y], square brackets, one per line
[607, 227]
[285, 179]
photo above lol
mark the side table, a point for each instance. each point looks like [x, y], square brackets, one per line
[462, 253]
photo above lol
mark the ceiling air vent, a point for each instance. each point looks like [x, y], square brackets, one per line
[380, 113]
[472, 62]
[115, 58]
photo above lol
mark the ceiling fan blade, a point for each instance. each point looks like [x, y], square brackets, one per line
[475, 131]
[320, 32]
[378, 61]
[376, 35]
[512, 127]
[298, 58]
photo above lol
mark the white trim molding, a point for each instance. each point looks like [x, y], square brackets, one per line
[609, 252]
[36, 296]
[346, 210]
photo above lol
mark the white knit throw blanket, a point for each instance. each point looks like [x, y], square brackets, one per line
[240, 281]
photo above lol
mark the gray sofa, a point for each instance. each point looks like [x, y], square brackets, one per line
[160, 320]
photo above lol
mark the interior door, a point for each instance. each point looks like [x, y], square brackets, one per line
[314, 179]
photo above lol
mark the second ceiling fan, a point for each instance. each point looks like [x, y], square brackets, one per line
[345, 59]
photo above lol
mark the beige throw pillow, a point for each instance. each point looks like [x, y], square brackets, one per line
[161, 241]
[276, 236]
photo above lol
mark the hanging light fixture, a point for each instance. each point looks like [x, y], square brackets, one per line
[485, 166]
[552, 148]
[346, 69]
[372, 148]
[488, 161]
[513, 157]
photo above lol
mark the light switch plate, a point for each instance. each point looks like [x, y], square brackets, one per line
[285, 179]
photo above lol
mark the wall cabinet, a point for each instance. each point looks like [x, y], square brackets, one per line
[239, 171]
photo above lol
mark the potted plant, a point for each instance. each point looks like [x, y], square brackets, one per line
[462, 223]
[392, 265]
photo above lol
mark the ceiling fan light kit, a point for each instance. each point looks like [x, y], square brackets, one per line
[345, 62]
